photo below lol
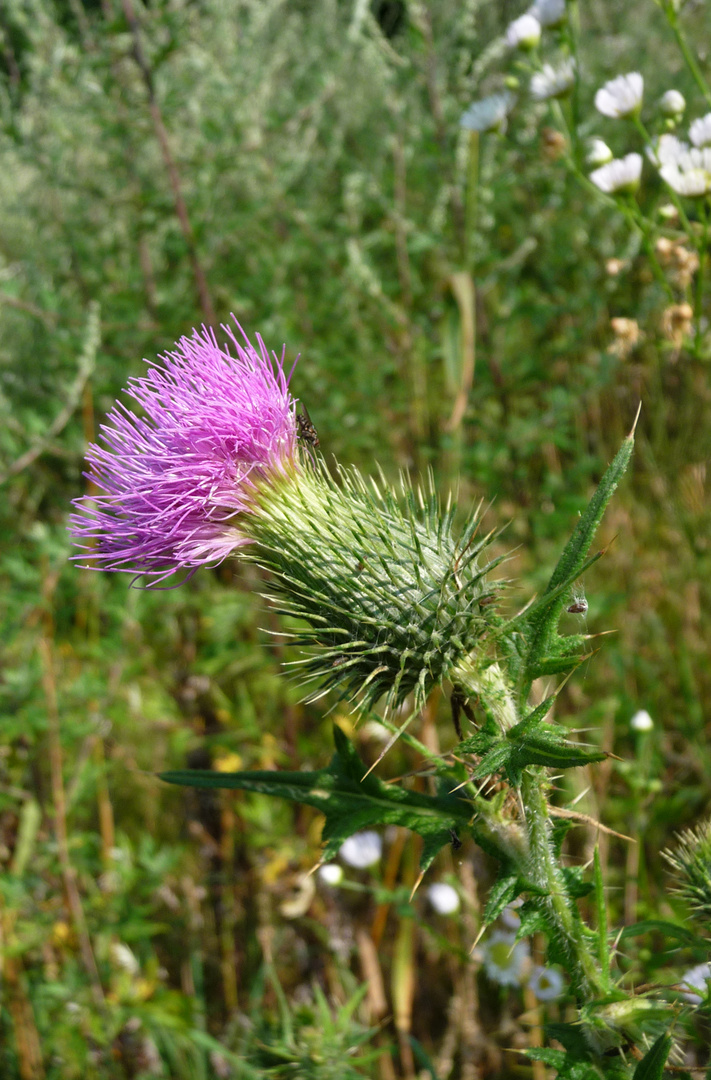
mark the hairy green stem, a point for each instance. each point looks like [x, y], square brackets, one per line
[543, 871]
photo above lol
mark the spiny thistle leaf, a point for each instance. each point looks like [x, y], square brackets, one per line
[349, 800]
[651, 1067]
[393, 601]
[545, 650]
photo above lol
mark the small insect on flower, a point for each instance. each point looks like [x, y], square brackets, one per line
[305, 429]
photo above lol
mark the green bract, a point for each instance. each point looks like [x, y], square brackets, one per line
[394, 601]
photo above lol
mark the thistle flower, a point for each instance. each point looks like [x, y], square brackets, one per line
[691, 863]
[524, 32]
[700, 131]
[549, 12]
[362, 849]
[621, 96]
[505, 959]
[546, 983]
[672, 103]
[620, 174]
[488, 114]
[690, 173]
[174, 481]
[394, 602]
[553, 82]
[443, 898]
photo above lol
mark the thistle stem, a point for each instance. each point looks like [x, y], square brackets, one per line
[544, 872]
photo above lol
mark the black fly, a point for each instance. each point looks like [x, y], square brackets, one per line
[305, 430]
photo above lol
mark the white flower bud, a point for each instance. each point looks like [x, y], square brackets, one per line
[672, 103]
[599, 153]
[443, 898]
[641, 721]
[524, 32]
[362, 850]
[331, 873]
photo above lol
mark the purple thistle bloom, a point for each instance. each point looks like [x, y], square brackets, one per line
[172, 482]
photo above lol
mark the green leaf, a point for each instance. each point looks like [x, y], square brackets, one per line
[651, 1067]
[533, 720]
[503, 891]
[555, 752]
[554, 1058]
[575, 885]
[661, 926]
[349, 800]
[570, 1036]
[542, 617]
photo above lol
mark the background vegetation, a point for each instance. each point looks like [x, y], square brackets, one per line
[302, 165]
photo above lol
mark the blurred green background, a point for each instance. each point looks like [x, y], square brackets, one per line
[300, 163]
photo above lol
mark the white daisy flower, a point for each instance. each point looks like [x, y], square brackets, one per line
[546, 983]
[621, 96]
[672, 103]
[443, 898]
[331, 873]
[548, 12]
[599, 153]
[553, 82]
[524, 32]
[505, 959]
[620, 174]
[488, 114]
[696, 979]
[689, 174]
[641, 721]
[700, 131]
[666, 148]
[362, 850]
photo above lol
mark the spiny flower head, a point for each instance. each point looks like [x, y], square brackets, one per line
[173, 479]
[394, 602]
[691, 863]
